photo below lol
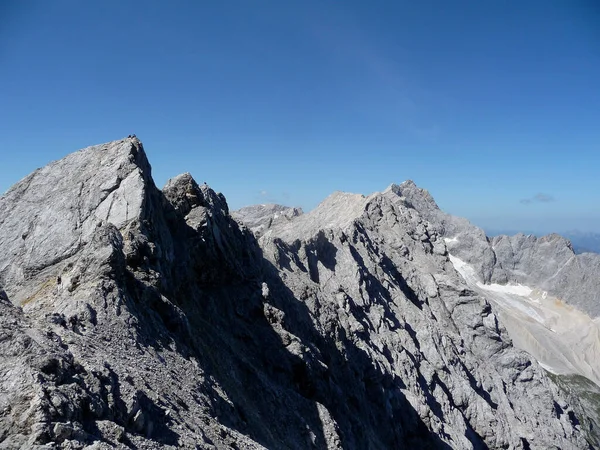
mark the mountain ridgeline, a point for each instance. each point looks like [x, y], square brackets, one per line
[581, 241]
[134, 317]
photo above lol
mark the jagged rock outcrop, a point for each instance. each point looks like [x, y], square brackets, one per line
[548, 262]
[377, 274]
[134, 317]
[260, 218]
[547, 296]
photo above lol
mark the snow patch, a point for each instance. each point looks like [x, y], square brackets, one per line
[470, 276]
[466, 271]
[509, 296]
[548, 368]
[515, 289]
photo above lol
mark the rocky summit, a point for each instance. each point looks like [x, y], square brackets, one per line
[134, 317]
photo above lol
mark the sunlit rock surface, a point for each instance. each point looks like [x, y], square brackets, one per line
[141, 318]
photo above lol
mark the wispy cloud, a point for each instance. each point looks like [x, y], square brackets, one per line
[538, 198]
[544, 198]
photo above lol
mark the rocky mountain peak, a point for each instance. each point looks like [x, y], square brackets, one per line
[72, 197]
[149, 318]
[259, 218]
[184, 194]
[338, 211]
[414, 196]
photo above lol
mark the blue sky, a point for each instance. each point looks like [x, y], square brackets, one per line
[494, 107]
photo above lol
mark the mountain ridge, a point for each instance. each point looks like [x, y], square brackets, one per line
[149, 318]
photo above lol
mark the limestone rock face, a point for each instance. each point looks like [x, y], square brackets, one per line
[547, 296]
[375, 274]
[260, 218]
[54, 212]
[132, 317]
[548, 262]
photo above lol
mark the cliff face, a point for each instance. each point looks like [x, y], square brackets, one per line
[547, 296]
[259, 218]
[143, 318]
[374, 273]
[547, 262]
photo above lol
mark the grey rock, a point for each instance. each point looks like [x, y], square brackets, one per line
[370, 272]
[135, 317]
[52, 213]
[259, 218]
[553, 308]
[547, 262]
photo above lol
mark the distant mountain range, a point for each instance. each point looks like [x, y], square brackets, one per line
[582, 241]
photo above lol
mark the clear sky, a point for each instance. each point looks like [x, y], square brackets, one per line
[493, 106]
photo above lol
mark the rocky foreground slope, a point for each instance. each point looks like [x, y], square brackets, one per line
[138, 318]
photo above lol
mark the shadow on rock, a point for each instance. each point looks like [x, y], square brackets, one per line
[287, 385]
